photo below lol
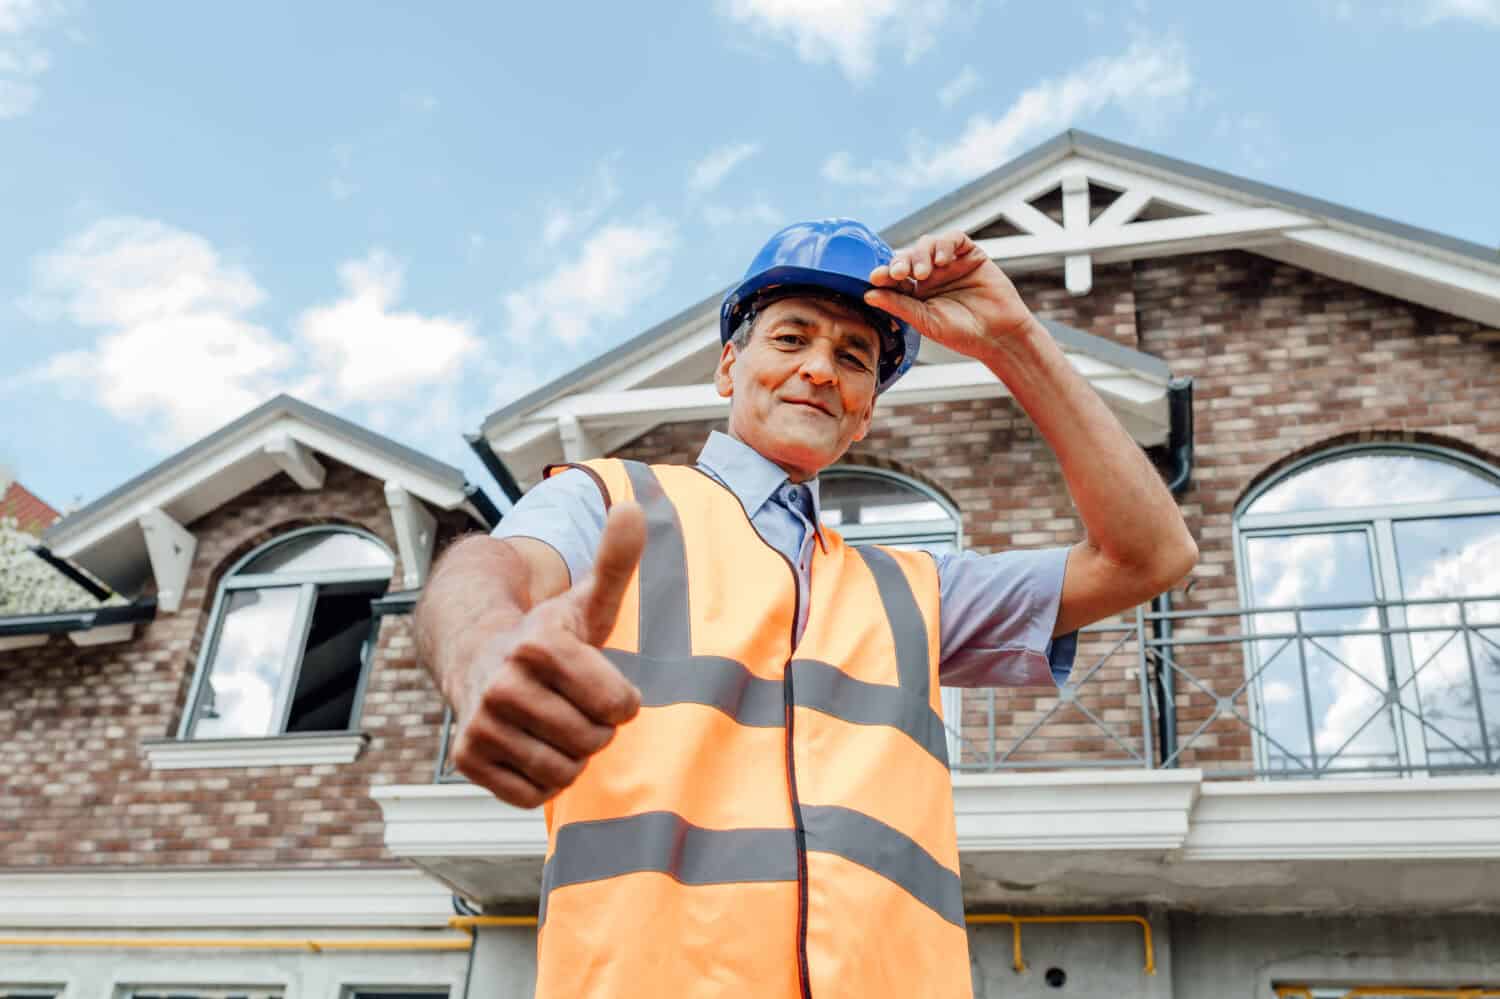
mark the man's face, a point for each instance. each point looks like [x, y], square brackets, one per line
[803, 388]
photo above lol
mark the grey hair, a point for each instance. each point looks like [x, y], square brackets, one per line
[741, 335]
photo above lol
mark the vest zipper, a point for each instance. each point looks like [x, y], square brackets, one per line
[789, 702]
[791, 780]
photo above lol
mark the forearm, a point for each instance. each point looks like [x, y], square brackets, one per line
[1129, 514]
[480, 585]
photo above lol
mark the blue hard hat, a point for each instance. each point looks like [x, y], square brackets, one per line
[832, 257]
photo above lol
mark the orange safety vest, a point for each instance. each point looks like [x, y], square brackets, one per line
[777, 821]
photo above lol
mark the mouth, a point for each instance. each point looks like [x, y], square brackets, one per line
[810, 404]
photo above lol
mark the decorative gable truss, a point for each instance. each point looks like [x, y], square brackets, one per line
[1067, 205]
[144, 528]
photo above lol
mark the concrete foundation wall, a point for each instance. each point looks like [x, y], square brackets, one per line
[1246, 956]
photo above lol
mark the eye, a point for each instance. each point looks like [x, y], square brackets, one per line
[855, 360]
[791, 339]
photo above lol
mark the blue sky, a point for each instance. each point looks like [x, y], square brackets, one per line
[410, 215]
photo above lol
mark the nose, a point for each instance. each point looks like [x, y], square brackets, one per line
[817, 364]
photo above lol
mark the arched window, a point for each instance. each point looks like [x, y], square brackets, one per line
[1385, 656]
[875, 506]
[289, 637]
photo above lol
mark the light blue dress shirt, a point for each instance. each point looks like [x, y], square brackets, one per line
[997, 611]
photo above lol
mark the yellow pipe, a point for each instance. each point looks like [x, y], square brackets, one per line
[1016, 921]
[316, 945]
[470, 922]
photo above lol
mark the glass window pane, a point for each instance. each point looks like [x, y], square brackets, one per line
[1341, 679]
[1457, 671]
[854, 498]
[332, 661]
[1374, 480]
[239, 692]
[321, 552]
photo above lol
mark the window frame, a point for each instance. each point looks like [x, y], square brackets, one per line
[1377, 522]
[308, 584]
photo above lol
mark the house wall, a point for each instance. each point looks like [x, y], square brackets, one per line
[72, 720]
[1285, 362]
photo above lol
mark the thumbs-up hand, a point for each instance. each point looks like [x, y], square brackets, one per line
[541, 698]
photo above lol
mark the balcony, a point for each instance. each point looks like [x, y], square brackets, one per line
[1310, 758]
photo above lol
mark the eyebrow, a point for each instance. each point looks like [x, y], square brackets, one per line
[859, 339]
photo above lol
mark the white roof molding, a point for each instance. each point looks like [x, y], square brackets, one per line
[161, 899]
[416, 532]
[297, 462]
[281, 435]
[589, 422]
[170, 547]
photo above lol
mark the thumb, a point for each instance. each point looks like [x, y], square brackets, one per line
[619, 552]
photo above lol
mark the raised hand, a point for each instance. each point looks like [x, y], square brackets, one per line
[947, 287]
[541, 698]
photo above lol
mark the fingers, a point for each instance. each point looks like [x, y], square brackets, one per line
[927, 259]
[581, 674]
[619, 552]
[525, 741]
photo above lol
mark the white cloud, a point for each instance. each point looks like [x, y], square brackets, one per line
[756, 211]
[956, 89]
[709, 172]
[22, 60]
[588, 205]
[177, 351]
[616, 269]
[847, 33]
[371, 352]
[1150, 76]
[1420, 13]
[1485, 12]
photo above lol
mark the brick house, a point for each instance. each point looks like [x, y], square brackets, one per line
[1279, 779]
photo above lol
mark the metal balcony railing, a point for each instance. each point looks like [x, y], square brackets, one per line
[1381, 687]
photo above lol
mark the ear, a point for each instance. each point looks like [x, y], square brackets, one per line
[723, 380]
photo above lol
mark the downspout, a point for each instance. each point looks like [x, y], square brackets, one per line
[1179, 480]
[492, 464]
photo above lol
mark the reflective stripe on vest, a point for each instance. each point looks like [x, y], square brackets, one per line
[630, 814]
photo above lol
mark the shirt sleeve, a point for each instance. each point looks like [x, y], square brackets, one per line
[566, 512]
[998, 612]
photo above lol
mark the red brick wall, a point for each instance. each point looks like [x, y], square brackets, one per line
[1284, 362]
[77, 790]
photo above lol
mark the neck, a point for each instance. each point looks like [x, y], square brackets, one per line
[793, 473]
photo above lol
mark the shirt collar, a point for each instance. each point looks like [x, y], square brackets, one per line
[751, 476]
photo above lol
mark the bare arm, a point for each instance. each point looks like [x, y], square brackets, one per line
[1137, 544]
[515, 650]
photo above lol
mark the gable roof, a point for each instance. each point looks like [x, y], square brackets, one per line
[1076, 141]
[282, 434]
[1159, 206]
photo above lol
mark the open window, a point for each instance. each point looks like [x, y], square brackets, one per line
[289, 639]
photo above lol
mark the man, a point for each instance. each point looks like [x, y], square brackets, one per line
[737, 735]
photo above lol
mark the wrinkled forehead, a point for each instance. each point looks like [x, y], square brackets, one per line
[815, 309]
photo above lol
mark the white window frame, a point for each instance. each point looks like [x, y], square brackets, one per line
[307, 584]
[1378, 523]
[915, 534]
